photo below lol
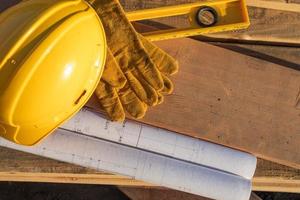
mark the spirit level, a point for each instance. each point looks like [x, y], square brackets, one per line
[204, 17]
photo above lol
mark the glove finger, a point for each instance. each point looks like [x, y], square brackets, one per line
[112, 73]
[131, 103]
[142, 89]
[163, 61]
[160, 98]
[109, 101]
[168, 89]
[168, 86]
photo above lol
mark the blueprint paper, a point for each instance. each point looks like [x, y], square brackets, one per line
[92, 152]
[164, 142]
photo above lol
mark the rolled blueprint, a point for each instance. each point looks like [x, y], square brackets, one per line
[164, 142]
[99, 154]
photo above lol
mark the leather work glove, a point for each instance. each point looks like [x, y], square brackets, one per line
[116, 96]
[143, 77]
[145, 67]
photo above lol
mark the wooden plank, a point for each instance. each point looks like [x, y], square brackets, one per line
[265, 178]
[232, 99]
[275, 185]
[99, 179]
[281, 55]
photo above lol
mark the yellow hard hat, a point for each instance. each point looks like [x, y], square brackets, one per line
[52, 55]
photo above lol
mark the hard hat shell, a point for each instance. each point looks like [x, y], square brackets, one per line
[52, 55]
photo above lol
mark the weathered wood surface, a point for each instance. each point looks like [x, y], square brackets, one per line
[232, 99]
[23, 167]
[259, 95]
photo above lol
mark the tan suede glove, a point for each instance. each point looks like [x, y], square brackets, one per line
[144, 65]
[116, 96]
[141, 73]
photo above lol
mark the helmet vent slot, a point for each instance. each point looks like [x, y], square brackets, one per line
[80, 97]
